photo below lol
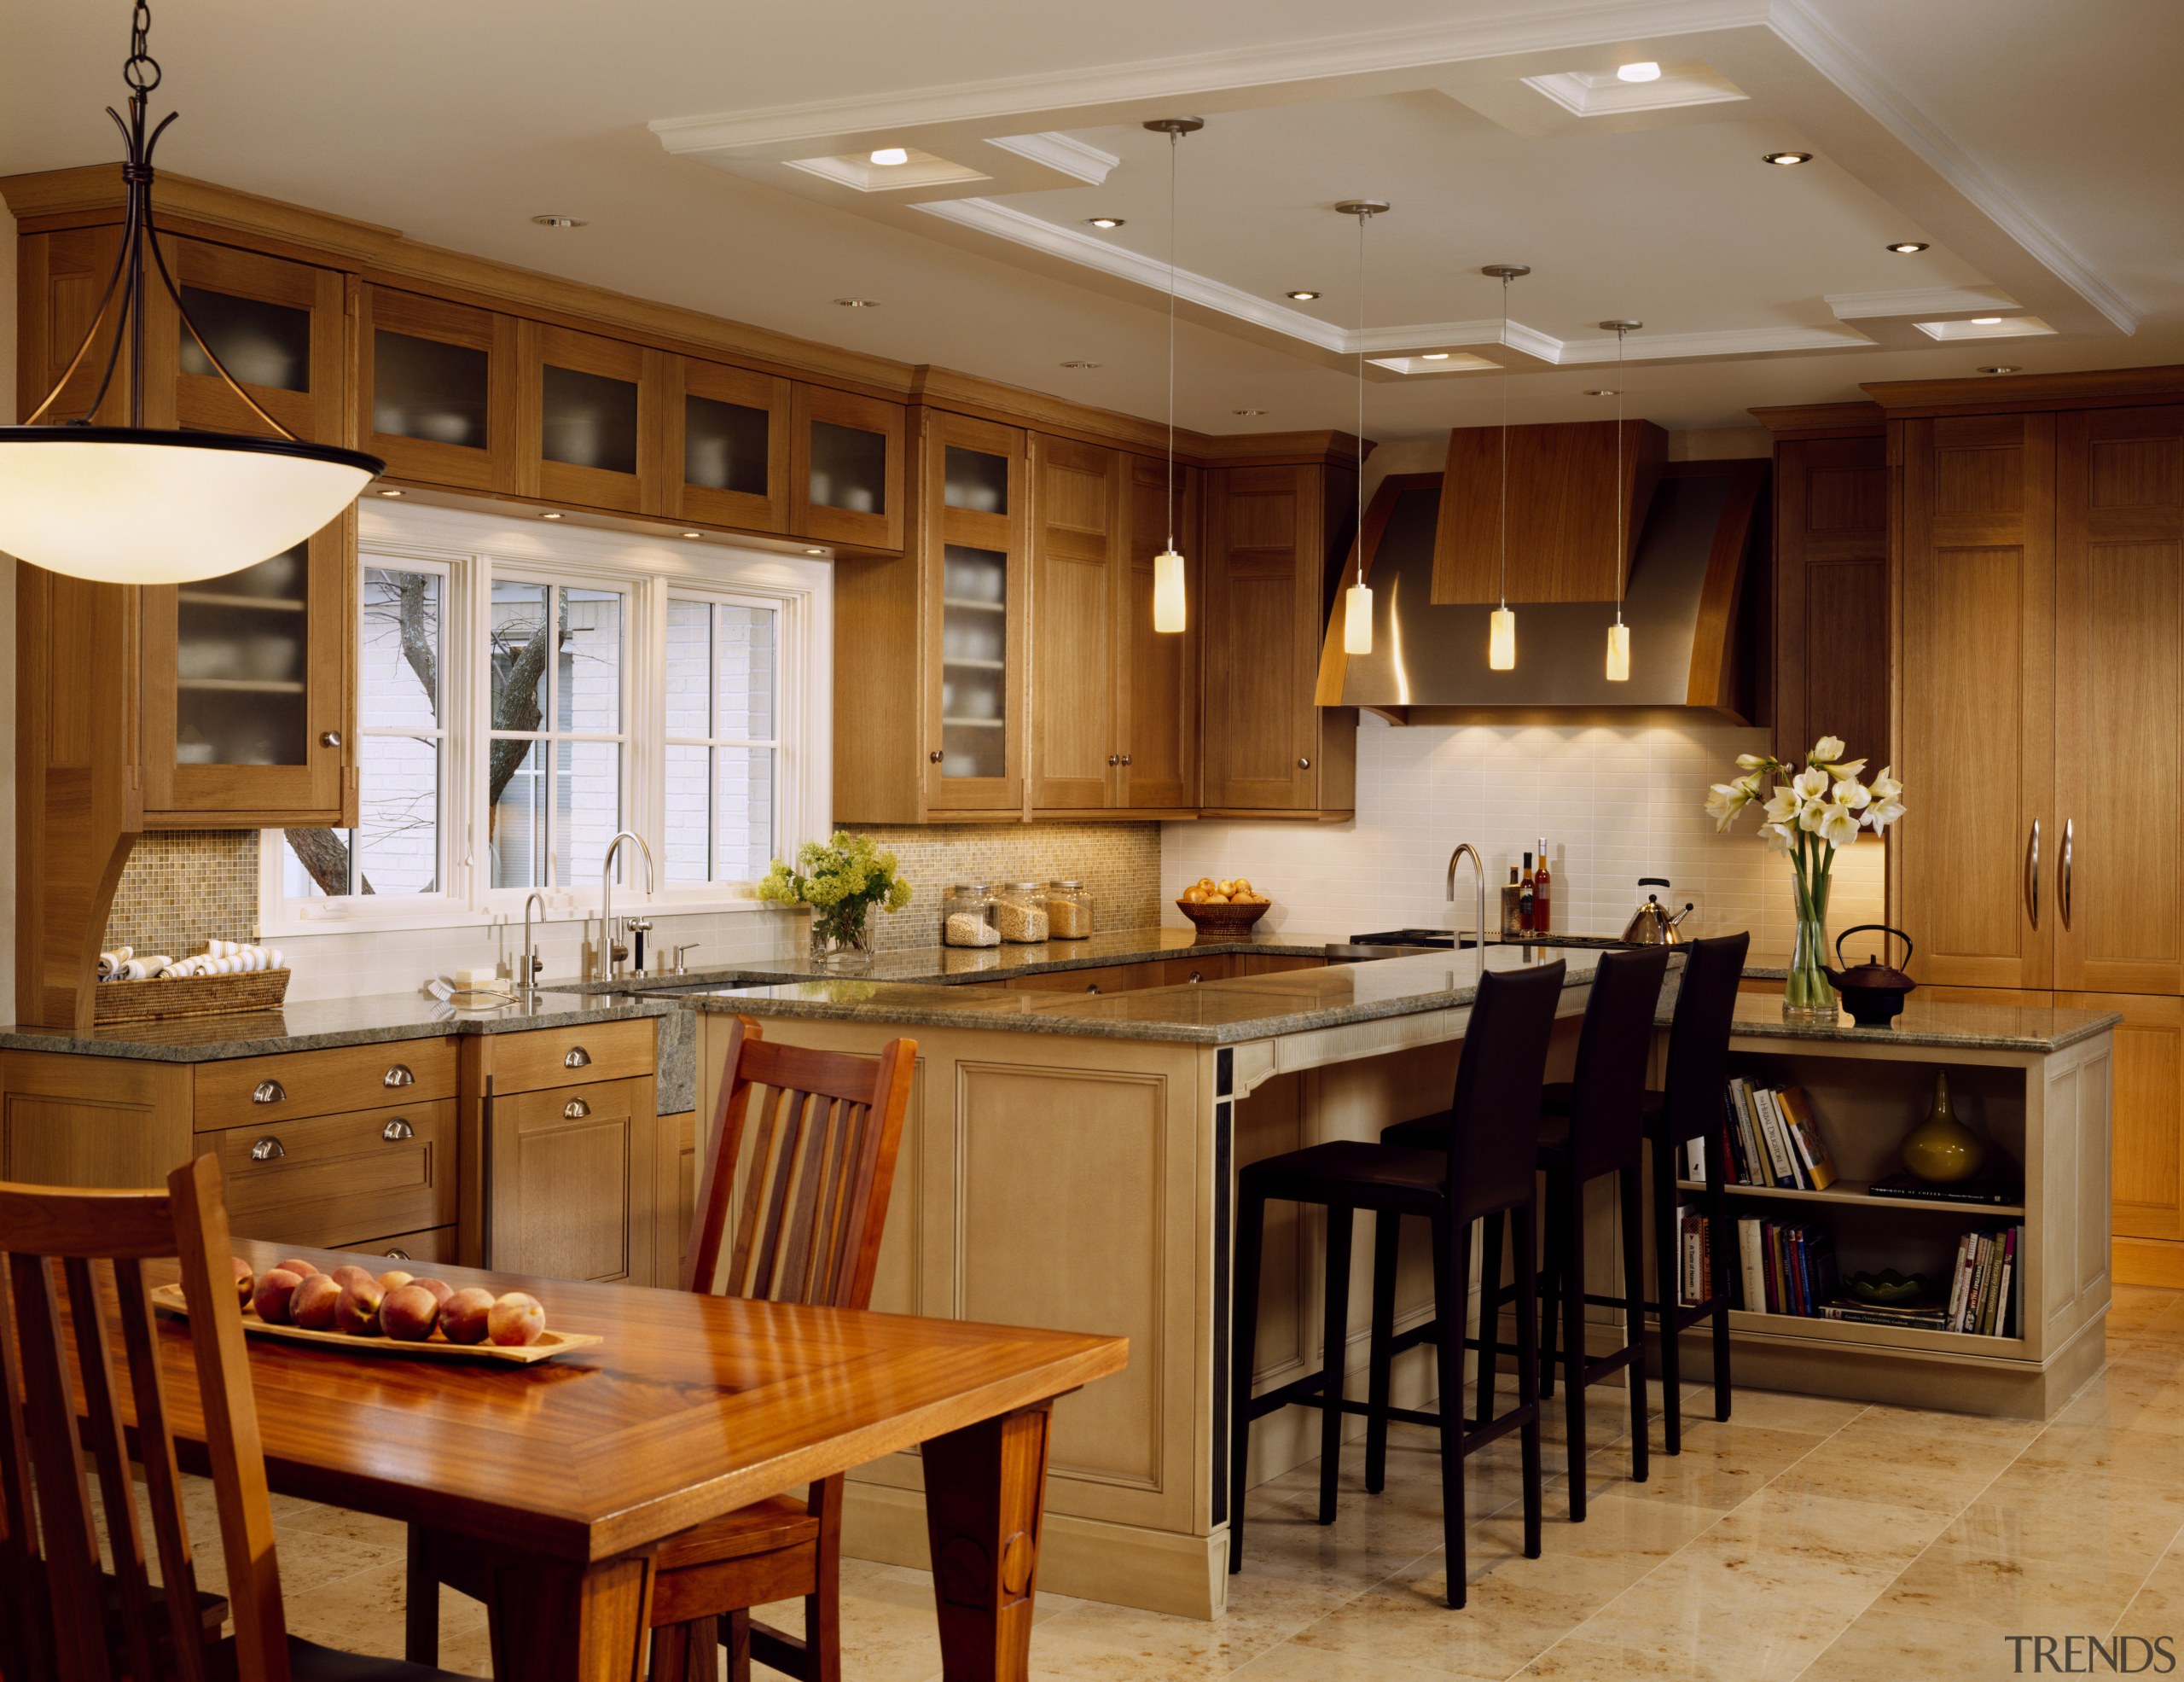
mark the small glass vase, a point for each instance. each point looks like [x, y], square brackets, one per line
[1807, 997]
[841, 940]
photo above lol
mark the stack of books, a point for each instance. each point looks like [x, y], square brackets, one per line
[1986, 1292]
[1695, 1282]
[1786, 1267]
[1770, 1136]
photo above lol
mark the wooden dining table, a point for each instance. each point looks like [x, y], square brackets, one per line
[577, 1468]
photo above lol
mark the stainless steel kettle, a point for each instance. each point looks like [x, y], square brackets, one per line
[1651, 925]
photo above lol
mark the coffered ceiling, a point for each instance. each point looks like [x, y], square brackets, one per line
[719, 157]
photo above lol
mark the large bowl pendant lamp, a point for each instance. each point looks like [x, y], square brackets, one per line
[1501, 623]
[1619, 634]
[139, 504]
[1358, 600]
[1170, 610]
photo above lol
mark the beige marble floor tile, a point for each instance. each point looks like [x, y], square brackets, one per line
[1887, 1642]
[1909, 1460]
[1967, 1582]
[2141, 1388]
[1512, 1613]
[1720, 1468]
[1771, 1410]
[2060, 1512]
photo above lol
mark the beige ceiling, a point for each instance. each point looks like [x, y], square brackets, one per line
[2037, 146]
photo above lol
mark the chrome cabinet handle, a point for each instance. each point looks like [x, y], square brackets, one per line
[576, 1059]
[269, 1091]
[1114, 759]
[398, 1255]
[1304, 765]
[2033, 870]
[2062, 888]
[399, 1075]
[398, 1130]
[329, 738]
[576, 1109]
[1125, 758]
[935, 756]
[268, 1149]
[1196, 978]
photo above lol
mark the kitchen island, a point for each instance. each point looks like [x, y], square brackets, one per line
[1070, 1156]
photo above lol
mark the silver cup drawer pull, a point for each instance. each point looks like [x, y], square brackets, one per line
[269, 1091]
[399, 1075]
[267, 1150]
[578, 1057]
[398, 1255]
[398, 1130]
[576, 1109]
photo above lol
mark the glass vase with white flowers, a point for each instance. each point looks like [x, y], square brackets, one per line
[1811, 813]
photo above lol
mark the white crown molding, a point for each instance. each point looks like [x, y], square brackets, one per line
[867, 178]
[1524, 28]
[1064, 154]
[1921, 302]
[1820, 47]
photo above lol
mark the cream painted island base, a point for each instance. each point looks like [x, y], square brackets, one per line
[1070, 1162]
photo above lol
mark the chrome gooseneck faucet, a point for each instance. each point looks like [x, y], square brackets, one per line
[612, 952]
[527, 979]
[1479, 868]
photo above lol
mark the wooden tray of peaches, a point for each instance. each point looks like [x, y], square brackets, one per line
[395, 1313]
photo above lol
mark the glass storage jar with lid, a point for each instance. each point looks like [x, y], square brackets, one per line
[1069, 910]
[966, 915]
[1020, 913]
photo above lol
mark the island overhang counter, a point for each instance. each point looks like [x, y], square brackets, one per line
[1069, 1161]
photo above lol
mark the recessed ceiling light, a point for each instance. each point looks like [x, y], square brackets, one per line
[1644, 71]
[1303, 297]
[1079, 361]
[560, 221]
[1434, 356]
[1605, 391]
[1907, 247]
[390, 494]
[550, 514]
[888, 156]
[1247, 412]
[1105, 221]
[693, 534]
[1986, 320]
[1999, 368]
[1787, 159]
[856, 303]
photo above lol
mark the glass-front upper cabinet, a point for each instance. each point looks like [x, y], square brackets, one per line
[244, 693]
[275, 326]
[845, 468]
[727, 436]
[436, 390]
[975, 563]
[590, 410]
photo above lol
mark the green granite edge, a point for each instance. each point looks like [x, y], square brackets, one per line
[1846, 1031]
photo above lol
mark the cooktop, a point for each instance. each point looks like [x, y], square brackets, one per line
[1447, 938]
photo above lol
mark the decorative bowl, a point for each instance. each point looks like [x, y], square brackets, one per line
[1888, 1288]
[1228, 920]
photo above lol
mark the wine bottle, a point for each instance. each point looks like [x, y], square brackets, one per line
[1525, 903]
[1542, 894]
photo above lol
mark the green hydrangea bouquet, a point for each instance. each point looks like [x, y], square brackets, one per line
[841, 879]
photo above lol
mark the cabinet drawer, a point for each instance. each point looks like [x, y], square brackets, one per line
[248, 1091]
[435, 1244]
[332, 1181]
[567, 1056]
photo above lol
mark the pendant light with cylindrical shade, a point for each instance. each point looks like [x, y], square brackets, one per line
[139, 504]
[1619, 634]
[1502, 623]
[1358, 600]
[1171, 610]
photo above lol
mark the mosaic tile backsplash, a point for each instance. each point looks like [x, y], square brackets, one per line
[1120, 862]
[183, 887]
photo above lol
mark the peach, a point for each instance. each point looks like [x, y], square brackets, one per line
[408, 1314]
[300, 1268]
[516, 1319]
[245, 1281]
[440, 1288]
[311, 1305]
[271, 1297]
[351, 1274]
[358, 1311]
[395, 1280]
[466, 1317]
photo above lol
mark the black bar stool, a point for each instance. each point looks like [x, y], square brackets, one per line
[1588, 1128]
[1691, 1107]
[1483, 1166]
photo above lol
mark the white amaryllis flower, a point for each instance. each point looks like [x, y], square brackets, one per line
[1725, 800]
[1837, 826]
[1756, 761]
[1782, 805]
[1847, 770]
[1848, 791]
[1811, 784]
[1885, 787]
[1882, 812]
[1825, 751]
[1778, 837]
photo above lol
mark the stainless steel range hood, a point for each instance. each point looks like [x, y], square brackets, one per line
[1684, 603]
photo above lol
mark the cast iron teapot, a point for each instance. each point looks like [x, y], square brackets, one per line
[1873, 992]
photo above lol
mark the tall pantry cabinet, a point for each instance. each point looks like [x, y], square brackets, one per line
[2040, 734]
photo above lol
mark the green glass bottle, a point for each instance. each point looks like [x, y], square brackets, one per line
[1940, 1150]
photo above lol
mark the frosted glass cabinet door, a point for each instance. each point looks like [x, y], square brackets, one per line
[244, 692]
[727, 445]
[973, 540]
[275, 326]
[436, 390]
[845, 468]
[591, 420]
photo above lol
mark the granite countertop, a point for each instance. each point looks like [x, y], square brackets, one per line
[315, 1024]
[1964, 1027]
[1211, 1013]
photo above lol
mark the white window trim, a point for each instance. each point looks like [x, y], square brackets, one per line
[472, 547]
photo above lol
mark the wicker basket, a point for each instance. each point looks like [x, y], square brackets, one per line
[154, 1000]
[1223, 920]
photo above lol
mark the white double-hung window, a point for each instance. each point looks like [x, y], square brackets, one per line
[523, 696]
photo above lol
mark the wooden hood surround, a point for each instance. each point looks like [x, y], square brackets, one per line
[81, 676]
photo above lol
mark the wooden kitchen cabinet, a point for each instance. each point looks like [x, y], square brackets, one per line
[725, 435]
[588, 421]
[1158, 721]
[845, 468]
[1077, 561]
[437, 387]
[279, 327]
[974, 570]
[571, 1178]
[1274, 537]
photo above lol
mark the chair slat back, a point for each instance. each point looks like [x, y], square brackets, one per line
[817, 1166]
[57, 1240]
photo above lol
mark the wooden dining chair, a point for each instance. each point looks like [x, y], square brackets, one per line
[815, 1165]
[95, 1620]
